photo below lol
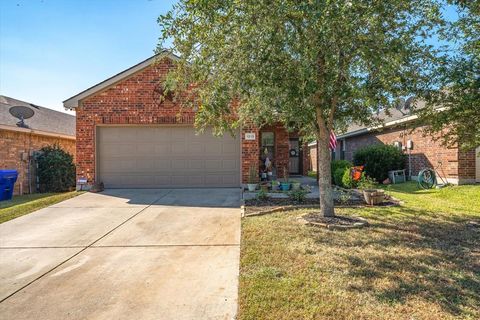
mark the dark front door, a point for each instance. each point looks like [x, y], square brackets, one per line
[295, 158]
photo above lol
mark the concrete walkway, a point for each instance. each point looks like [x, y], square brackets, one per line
[124, 254]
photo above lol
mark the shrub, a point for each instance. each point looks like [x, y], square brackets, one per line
[338, 175]
[347, 180]
[339, 164]
[56, 171]
[262, 195]
[298, 196]
[378, 159]
[366, 182]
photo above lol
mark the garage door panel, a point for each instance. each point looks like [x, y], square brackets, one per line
[144, 148]
[162, 180]
[228, 179]
[196, 164]
[179, 148]
[149, 157]
[161, 147]
[213, 164]
[229, 164]
[197, 147]
[213, 149]
[145, 165]
[162, 164]
[196, 180]
[229, 149]
[179, 164]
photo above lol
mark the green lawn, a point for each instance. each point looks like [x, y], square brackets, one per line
[417, 261]
[21, 205]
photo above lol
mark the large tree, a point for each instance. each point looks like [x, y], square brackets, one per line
[459, 76]
[314, 66]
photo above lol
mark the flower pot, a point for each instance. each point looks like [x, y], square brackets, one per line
[295, 185]
[269, 175]
[264, 187]
[275, 186]
[285, 186]
[251, 187]
[373, 196]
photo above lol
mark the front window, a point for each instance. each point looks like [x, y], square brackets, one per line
[267, 145]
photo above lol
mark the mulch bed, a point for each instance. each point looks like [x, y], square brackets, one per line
[270, 205]
[337, 222]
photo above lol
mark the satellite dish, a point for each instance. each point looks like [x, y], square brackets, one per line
[408, 103]
[400, 104]
[21, 113]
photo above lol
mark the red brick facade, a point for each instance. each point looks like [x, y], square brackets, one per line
[132, 101]
[15, 148]
[458, 166]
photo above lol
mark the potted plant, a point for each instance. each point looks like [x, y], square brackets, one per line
[285, 184]
[275, 185]
[371, 195]
[295, 185]
[252, 178]
[264, 186]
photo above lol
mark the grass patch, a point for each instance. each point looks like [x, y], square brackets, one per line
[22, 205]
[312, 174]
[417, 261]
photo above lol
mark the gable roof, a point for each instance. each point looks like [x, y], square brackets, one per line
[72, 102]
[44, 120]
[393, 117]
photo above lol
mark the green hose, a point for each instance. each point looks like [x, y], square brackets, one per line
[427, 179]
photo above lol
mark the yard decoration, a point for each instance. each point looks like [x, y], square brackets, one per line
[285, 184]
[373, 196]
[313, 66]
[252, 178]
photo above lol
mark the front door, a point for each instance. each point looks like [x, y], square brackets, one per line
[294, 156]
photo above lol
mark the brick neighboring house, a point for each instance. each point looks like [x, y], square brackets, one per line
[457, 166]
[17, 144]
[127, 136]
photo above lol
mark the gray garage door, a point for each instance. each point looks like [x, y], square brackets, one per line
[166, 156]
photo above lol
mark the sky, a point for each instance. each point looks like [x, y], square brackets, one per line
[51, 50]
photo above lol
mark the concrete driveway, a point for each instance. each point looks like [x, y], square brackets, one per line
[124, 254]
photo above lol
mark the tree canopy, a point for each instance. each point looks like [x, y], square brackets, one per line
[311, 65]
[459, 76]
[283, 59]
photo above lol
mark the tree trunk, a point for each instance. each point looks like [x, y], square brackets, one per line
[324, 174]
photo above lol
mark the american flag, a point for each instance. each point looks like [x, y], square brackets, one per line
[333, 140]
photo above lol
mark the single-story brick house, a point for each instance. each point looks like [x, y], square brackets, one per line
[18, 144]
[128, 137]
[457, 166]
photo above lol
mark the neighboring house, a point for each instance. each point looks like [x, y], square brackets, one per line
[128, 137]
[18, 144]
[457, 166]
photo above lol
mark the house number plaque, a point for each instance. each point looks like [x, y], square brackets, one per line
[250, 136]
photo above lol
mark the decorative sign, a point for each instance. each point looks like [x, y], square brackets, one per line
[250, 136]
[82, 182]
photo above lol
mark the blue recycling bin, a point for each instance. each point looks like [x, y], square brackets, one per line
[7, 182]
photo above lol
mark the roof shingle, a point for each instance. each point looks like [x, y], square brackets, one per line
[44, 119]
